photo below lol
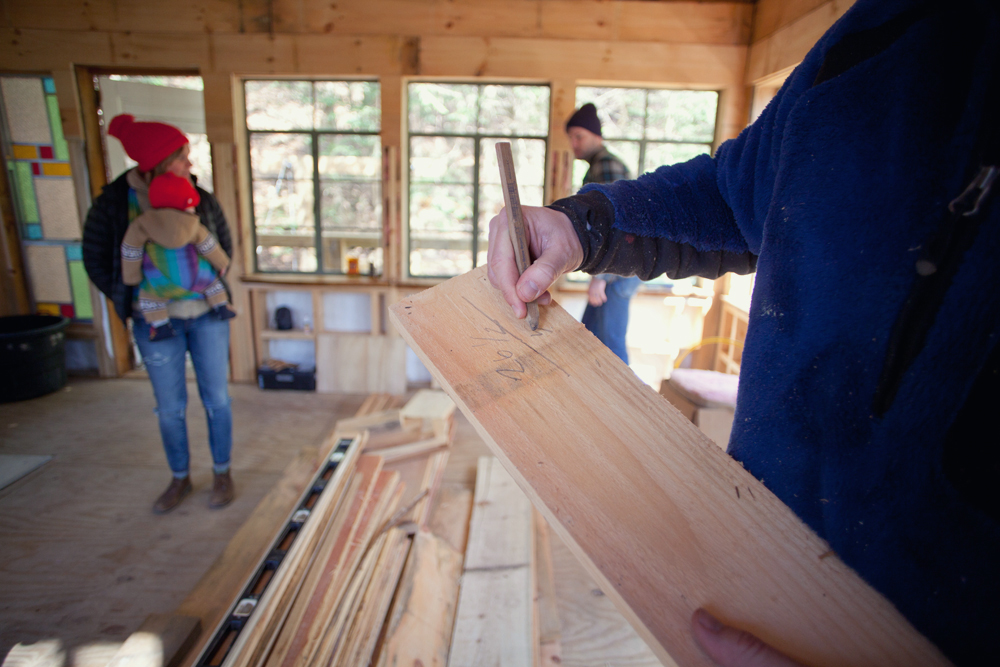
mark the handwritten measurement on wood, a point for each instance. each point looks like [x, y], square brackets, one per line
[510, 367]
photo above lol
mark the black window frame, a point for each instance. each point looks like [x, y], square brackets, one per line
[477, 138]
[314, 135]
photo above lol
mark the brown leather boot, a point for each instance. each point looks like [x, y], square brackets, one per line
[171, 498]
[222, 490]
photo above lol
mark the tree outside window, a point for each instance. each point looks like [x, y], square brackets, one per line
[315, 162]
[454, 177]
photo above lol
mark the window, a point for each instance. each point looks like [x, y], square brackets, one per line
[315, 163]
[648, 128]
[454, 177]
[44, 197]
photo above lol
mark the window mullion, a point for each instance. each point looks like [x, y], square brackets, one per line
[317, 201]
[477, 146]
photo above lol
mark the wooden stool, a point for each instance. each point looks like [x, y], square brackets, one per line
[707, 398]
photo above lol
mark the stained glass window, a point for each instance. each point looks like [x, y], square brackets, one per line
[45, 205]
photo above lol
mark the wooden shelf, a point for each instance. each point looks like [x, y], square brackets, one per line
[291, 334]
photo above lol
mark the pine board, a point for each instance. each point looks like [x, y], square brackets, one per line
[494, 622]
[419, 625]
[644, 500]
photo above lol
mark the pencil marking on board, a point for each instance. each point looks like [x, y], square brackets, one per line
[507, 355]
[503, 331]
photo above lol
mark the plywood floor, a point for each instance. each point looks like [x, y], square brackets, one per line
[83, 559]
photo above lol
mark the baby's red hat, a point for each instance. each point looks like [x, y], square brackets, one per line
[172, 191]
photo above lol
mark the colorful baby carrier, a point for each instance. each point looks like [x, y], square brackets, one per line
[171, 273]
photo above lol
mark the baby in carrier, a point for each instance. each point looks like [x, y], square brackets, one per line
[171, 255]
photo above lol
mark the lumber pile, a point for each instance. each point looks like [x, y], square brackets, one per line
[495, 609]
[327, 601]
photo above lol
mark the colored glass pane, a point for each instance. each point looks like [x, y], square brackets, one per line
[66, 310]
[74, 252]
[36, 169]
[26, 192]
[57, 207]
[56, 168]
[81, 289]
[48, 309]
[58, 139]
[45, 152]
[33, 232]
[22, 152]
[49, 85]
[25, 110]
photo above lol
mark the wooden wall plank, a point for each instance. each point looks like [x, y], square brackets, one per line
[681, 22]
[194, 16]
[28, 49]
[771, 15]
[788, 45]
[160, 49]
[688, 64]
[663, 519]
[259, 54]
[684, 22]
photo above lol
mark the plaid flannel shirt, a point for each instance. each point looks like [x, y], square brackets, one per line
[605, 167]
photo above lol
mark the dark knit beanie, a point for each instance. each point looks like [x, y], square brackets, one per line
[585, 117]
[148, 143]
[172, 191]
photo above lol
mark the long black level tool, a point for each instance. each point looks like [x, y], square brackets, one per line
[228, 631]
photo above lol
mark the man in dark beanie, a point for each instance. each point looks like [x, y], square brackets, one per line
[609, 295]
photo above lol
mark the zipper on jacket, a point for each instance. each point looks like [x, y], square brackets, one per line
[942, 255]
[935, 269]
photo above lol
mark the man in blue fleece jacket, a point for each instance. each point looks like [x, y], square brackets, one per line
[861, 196]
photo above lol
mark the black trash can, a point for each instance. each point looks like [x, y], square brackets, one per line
[32, 356]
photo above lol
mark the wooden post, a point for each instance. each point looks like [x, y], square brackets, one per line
[98, 179]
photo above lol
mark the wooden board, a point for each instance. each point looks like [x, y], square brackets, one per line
[546, 605]
[662, 518]
[494, 623]
[358, 363]
[431, 409]
[419, 625]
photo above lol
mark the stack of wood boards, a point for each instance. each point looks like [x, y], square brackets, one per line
[498, 608]
[506, 610]
[659, 515]
[327, 602]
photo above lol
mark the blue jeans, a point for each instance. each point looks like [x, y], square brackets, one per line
[609, 322]
[207, 339]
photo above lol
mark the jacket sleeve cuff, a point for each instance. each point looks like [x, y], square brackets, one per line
[592, 215]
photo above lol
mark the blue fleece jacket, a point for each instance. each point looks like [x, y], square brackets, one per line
[867, 381]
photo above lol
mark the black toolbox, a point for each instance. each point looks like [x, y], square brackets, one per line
[289, 378]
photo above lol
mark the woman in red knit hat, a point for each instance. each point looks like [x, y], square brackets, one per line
[161, 149]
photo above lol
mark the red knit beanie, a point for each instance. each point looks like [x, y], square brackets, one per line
[172, 191]
[148, 143]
